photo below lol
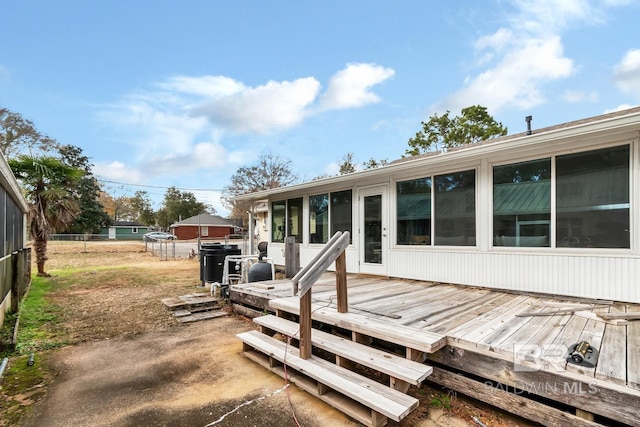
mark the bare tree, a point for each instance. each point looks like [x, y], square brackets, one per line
[20, 136]
[270, 171]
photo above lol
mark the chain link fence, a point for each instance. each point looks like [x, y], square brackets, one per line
[163, 249]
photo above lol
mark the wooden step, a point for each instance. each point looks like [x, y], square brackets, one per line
[191, 301]
[398, 368]
[412, 338]
[330, 382]
[201, 315]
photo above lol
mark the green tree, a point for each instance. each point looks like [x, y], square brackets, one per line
[92, 216]
[475, 124]
[347, 165]
[18, 135]
[179, 205]
[141, 203]
[373, 163]
[270, 171]
[52, 207]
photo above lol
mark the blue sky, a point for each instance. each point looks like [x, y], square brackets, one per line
[164, 93]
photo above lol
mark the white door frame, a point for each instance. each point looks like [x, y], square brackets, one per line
[380, 265]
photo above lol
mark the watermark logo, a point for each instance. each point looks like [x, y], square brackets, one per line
[537, 357]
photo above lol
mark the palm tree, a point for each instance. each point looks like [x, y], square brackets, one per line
[48, 185]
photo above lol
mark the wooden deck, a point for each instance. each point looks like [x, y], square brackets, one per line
[514, 343]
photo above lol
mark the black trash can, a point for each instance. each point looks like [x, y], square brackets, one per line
[207, 248]
[212, 257]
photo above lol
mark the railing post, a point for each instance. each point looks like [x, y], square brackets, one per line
[341, 283]
[291, 257]
[305, 325]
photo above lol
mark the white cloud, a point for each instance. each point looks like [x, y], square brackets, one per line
[519, 60]
[203, 155]
[116, 171]
[332, 169]
[351, 87]
[207, 86]
[620, 107]
[516, 79]
[180, 127]
[627, 73]
[273, 106]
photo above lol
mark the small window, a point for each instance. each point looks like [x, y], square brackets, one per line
[455, 209]
[414, 212]
[294, 216]
[522, 204]
[278, 222]
[134, 230]
[341, 213]
[319, 218]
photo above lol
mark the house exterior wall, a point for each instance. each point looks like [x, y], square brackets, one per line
[588, 271]
[188, 232]
[124, 233]
[14, 253]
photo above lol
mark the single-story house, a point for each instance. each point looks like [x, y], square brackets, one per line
[14, 254]
[210, 226]
[124, 230]
[553, 210]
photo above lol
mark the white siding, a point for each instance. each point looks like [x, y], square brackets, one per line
[596, 276]
[276, 251]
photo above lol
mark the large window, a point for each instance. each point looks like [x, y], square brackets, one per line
[341, 212]
[455, 209]
[522, 204]
[319, 218]
[592, 199]
[414, 212]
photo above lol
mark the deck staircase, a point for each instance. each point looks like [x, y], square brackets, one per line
[366, 383]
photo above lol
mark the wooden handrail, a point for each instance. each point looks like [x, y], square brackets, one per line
[311, 264]
[334, 251]
[329, 255]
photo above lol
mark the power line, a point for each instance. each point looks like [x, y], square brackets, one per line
[161, 187]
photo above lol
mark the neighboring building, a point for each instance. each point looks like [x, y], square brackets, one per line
[15, 265]
[211, 227]
[261, 221]
[125, 230]
[556, 211]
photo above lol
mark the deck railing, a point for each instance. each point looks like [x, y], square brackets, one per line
[333, 251]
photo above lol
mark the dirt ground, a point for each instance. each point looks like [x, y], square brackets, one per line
[130, 363]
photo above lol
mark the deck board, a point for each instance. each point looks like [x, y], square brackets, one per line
[592, 333]
[506, 313]
[633, 349]
[453, 316]
[612, 363]
[479, 321]
[484, 320]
